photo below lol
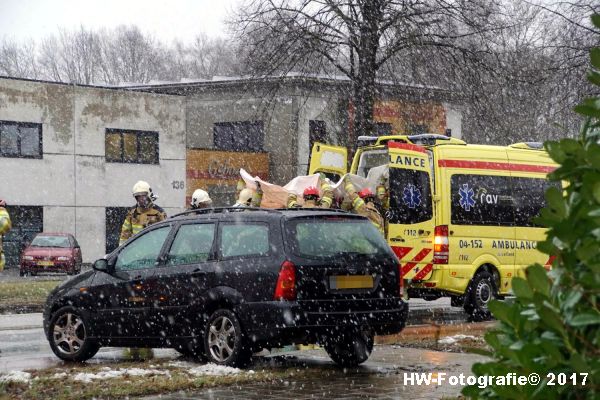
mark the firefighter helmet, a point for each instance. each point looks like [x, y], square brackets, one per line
[245, 196]
[201, 199]
[141, 188]
[365, 193]
[311, 191]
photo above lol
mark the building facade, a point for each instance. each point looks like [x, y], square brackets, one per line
[70, 154]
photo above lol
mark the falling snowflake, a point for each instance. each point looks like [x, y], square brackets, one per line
[411, 196]
[467, 197]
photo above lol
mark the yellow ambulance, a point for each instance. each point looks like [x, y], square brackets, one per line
[460, 215]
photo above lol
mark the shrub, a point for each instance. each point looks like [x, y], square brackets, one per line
[551, 327]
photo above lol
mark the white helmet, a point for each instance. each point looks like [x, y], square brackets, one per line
[143, 187]
[245, 196]
[201, 199]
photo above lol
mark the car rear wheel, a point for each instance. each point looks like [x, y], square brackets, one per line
[69, 336]
[224, 340]
[349, 349]
[480, 292]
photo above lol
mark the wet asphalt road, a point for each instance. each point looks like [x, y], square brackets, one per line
[24, 346]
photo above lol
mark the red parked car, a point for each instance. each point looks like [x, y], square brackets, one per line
[51, 252]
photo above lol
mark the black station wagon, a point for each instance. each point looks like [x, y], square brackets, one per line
[221, 284]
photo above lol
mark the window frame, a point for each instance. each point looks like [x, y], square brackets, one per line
[159, 258]
[212, 255]
[18, 124]
[218, 249]
[235, 128]
[509, 186]
[138, 133]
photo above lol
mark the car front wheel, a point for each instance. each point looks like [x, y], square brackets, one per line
[224, 340]
[349, 349]
[69, 336]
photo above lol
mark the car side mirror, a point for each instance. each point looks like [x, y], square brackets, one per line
[102, 265]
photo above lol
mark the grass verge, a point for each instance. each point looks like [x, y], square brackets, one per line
[59, 384]
[29, 294]
[466, 338]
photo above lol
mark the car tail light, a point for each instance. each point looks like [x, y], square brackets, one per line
[441, 245]
[286, 282]
[28, 258]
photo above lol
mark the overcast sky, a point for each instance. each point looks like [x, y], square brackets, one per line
[166, 20]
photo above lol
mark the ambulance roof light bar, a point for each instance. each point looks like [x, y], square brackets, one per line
[528, 145]
[431, 139]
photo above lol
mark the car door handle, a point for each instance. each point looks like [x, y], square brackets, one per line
[397, 239]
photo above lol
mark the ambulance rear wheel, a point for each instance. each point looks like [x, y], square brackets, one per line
[481, 291]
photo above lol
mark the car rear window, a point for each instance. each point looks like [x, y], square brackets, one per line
[332, 237]
[51, 241]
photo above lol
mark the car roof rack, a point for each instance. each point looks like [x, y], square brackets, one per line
[221, 210]
[313, 209]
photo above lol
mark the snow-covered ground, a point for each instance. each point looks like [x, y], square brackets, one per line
[194, 370]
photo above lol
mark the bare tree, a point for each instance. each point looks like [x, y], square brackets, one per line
[18, 59]
[72, 56]
[353, 38]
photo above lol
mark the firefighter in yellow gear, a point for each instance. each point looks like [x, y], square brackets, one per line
[143, 214]
[5, 226]
[311, 197]
[249, 197]
[383, 194]
[363, 203]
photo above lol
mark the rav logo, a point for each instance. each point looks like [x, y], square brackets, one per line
[485, 198]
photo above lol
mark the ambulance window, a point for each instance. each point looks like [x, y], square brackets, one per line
[370, 159]
[529, 199]
[481, 200]
[410, 196]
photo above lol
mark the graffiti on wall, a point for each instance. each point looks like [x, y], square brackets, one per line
[218, 171]
[395, 117]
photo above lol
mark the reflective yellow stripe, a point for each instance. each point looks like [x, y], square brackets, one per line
[357, 203]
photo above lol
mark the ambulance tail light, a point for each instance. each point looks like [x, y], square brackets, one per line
[400, 281]
[440, 245]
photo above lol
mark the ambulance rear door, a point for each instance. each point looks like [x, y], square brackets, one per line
[330, 160]
[411, 216]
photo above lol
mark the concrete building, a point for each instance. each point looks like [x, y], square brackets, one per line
[69, 154]
[56, 175]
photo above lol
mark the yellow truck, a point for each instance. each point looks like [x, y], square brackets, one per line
[460, 216]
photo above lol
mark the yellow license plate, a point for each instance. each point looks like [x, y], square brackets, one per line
[351, 282]
[45, 263]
